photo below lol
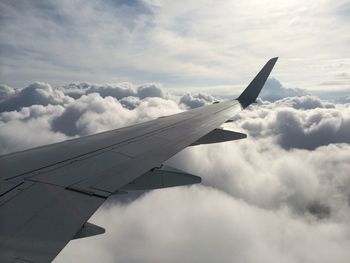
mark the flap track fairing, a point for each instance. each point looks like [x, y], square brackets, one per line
[219, 135]
[163, 177]
[88, 230]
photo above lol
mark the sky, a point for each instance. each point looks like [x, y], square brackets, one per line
[212, 45]
[73, 68]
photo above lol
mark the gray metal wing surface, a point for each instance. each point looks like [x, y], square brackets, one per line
[47, 194]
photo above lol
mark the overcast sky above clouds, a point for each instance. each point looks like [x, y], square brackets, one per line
[281, 195]
[197, 44]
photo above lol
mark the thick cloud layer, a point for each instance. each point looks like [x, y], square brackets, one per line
[115, 90]
[75, 110]
[315, 183]
[278, 196]
[5, 92]
[298, 122]
[201, 224]
[35, 94]
[192, 101]
[29, 127]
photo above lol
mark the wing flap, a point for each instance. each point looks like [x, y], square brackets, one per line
[49, 218]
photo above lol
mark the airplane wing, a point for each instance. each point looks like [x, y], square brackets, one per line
[47, 194]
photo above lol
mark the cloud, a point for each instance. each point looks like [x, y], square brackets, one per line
[82, 109]
[29, 127]
[305, 102]
[88, 108]
[277, 91]
[287, 181]
[5, 92]
[37, 93]
[130, 102]
[100, 109]
[117, 90]
[344, 100]
[90, 114]
[282, 195]
[150, 90]
[310, 183]
[200, 224]
[192, 101]
[304, 122]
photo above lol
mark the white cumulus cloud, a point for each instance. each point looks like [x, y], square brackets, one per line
[278, 196]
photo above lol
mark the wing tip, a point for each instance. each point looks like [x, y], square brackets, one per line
[250, 94]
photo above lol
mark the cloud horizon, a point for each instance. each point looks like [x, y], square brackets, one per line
[277, 196]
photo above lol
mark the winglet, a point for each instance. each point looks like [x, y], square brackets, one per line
[250, 94]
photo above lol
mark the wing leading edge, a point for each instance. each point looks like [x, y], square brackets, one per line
[47, 194]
